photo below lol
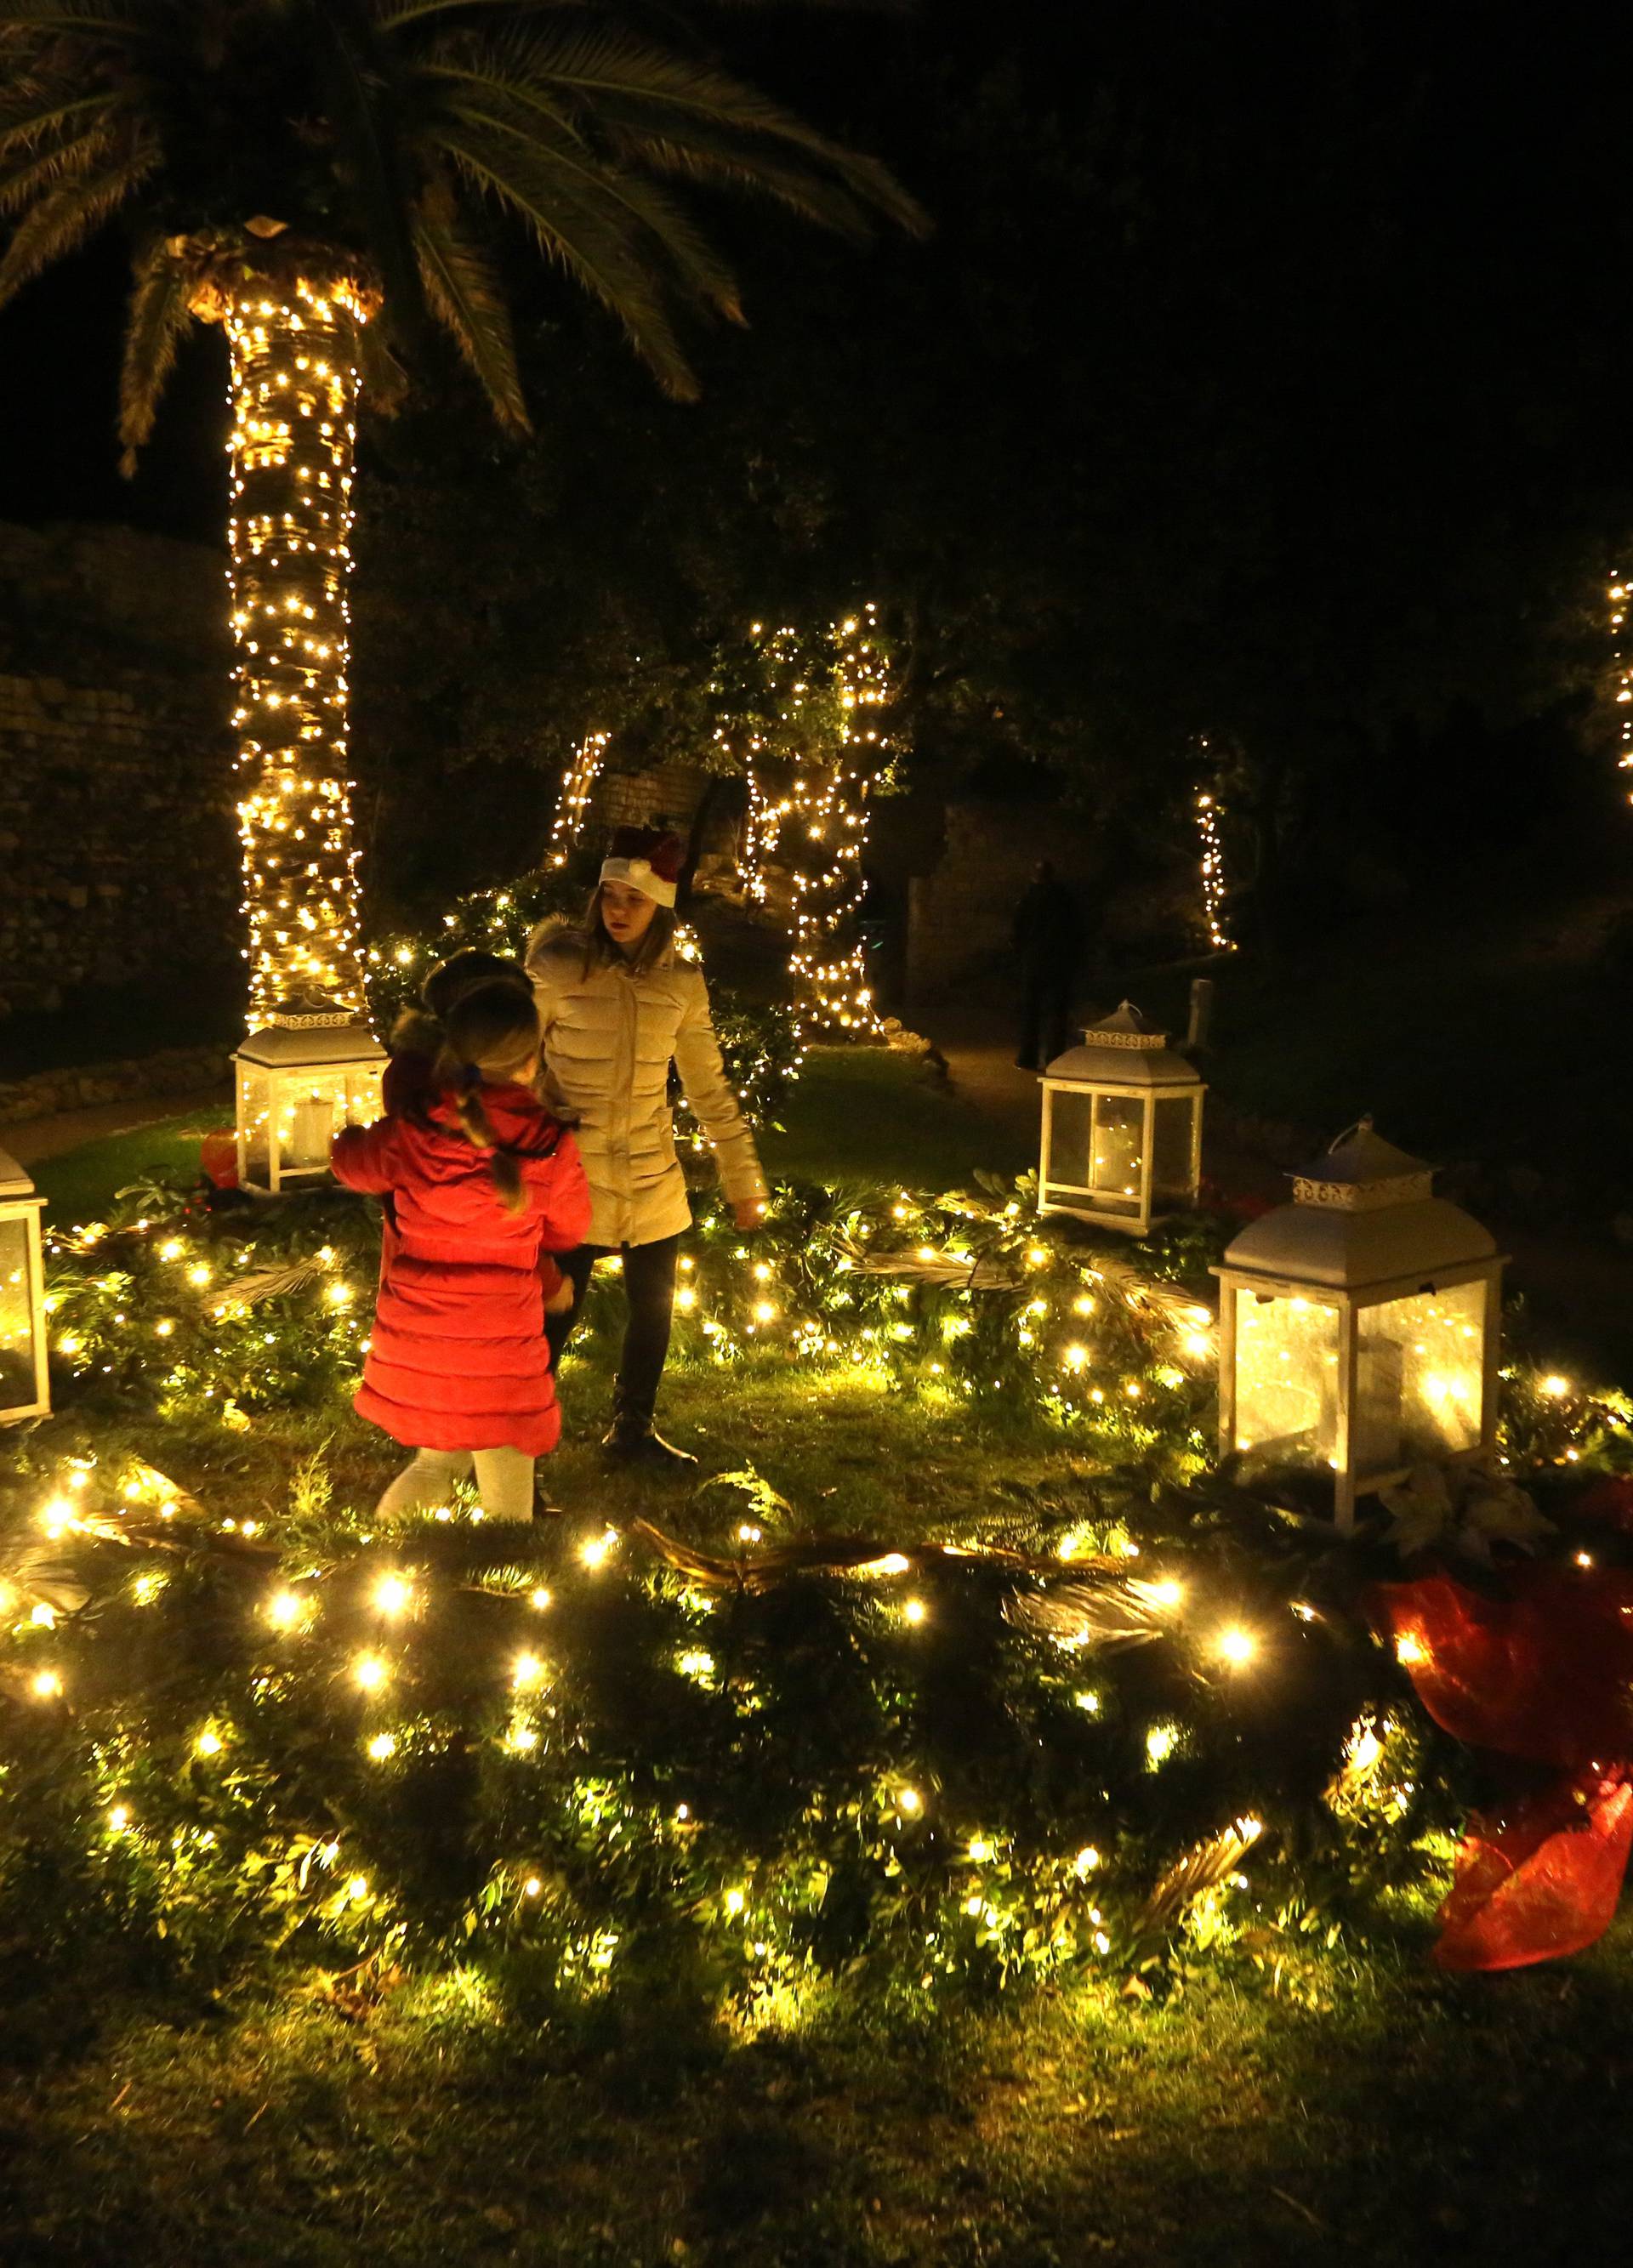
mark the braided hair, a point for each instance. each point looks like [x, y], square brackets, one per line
[490, 1032]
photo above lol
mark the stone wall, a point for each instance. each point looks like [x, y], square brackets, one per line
[959, 914]
[670, 792]
[171, 1071]
[118, 855]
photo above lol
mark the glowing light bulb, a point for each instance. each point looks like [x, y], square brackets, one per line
[392, 1594]
[381, 1746]
[913, 1610]
[1236, 1645]
[370, 1672]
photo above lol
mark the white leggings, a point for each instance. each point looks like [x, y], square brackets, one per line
[504, 1483]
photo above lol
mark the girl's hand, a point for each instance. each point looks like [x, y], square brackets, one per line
[750, 1213]
[560, 1302]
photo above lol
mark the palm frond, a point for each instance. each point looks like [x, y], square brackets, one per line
[113, 20]
[694, 152]
[159, 315]
[25, 127]
[697, 267]
[61, 221]
[598, 67]
[1202, 1866]
[404, 15]
[23, 183]
[1095, 1615]
[465, 297]
[368, 109]
[588, 239]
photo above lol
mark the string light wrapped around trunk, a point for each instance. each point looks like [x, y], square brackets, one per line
[577, 785]
[815, 824]
[294, 398]
[310, 1063]
[1619, 595]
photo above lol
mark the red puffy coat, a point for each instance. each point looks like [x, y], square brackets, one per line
[458, 1359]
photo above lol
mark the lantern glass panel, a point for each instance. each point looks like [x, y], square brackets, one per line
[313, 1106]
[1071, 1122]
[1117, 1153]
[16, 1322]
[1428, 1358]
[1286, 1377]
[1173, 1127]
[257, 1111]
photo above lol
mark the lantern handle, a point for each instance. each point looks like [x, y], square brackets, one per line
[1363, 1125]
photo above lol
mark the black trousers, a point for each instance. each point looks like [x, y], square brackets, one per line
[649, 1295]
[1047, 1007]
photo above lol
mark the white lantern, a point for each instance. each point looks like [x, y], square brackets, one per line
[297, 1085]
[1122, 1126]
[23, 1389]
[1359, 1325]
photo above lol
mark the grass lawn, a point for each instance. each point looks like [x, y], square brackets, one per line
[862, 1114]
[1296, 2103]
[1363, 2112]
[865, 1115]
[77, 1184]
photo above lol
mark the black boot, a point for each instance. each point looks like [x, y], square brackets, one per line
[633, 1439]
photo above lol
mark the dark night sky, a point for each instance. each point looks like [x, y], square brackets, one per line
[1374, 255]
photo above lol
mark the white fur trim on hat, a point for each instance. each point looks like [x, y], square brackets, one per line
[639, 875]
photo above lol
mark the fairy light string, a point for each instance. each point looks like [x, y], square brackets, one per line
[811, 767]
[1207, 811]
[572, 806]
[293, 346]
[1622, 695]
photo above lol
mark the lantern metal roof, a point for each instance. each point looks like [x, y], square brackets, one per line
[1122, 1051]
[1364, 1213]
[14, 1183]
[282, 1047]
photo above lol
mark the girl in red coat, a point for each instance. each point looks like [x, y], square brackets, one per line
[481, 1183]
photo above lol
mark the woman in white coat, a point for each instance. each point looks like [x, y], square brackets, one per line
[617, 1006]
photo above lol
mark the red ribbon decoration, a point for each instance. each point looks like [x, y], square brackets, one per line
[1543, 1673]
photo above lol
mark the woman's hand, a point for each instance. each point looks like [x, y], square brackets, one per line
[750, 1212]
[560, 1302]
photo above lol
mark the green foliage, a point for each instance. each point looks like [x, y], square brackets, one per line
[566, 1753]
[376, 134]
[839, 1774]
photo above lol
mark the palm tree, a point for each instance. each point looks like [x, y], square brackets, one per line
[316, 175]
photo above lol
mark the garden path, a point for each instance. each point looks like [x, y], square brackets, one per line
[32, 1140]
[1579, 1289]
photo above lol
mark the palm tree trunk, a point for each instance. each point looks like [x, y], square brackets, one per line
[294, 344]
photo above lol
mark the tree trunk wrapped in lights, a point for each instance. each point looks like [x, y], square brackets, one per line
[815, 824]
[310, 1064]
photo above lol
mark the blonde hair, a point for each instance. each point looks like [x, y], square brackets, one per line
[491, 1033]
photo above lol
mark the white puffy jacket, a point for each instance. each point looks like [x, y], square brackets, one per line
[609, 1036]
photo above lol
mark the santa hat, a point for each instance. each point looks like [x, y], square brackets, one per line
[645, 860]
